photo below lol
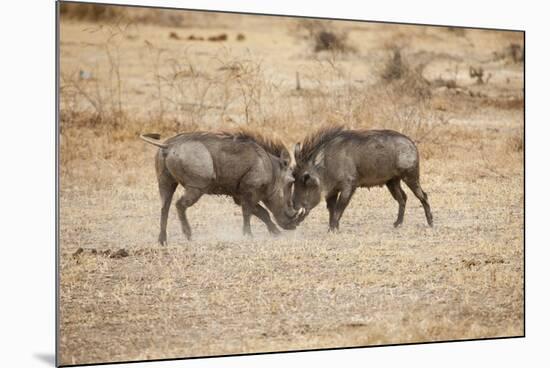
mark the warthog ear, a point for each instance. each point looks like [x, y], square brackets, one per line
[297, 148]
[285, 158]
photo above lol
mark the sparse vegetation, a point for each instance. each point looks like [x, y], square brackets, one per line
[477, 73]
[125, 298]
[323, 37]
[331, 41]
[396, 68]
[101, 14]
[512, 53]
[404, 77]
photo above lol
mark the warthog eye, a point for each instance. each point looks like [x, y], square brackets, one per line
[305, 178]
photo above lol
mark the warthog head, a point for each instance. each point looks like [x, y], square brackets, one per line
[307, 184]
[279, 202]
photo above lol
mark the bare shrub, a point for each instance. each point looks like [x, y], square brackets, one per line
[324, 37]
[441, 82]
[155, 54]
[112, 13]
[188, 89]
[305, 28]
[477, 73]
[416, 85]
[106, 13]
[248, 80]
[449, 82]
[234, 91]
[326, 40]
[406, 114]
[513, 53]
[398, 72]
[87, 91]
[79, 96]
[395, 68]
[245, 87]
[90, 12]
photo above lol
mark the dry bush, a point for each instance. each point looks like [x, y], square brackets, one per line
[323, 36]
[106, 14]
[188, 89]
[399, 72]
[82, 91]
[246, 78]
[154, 54]
[513, 53]
[111, 13]
[86, 96]
[477, 73]
[326, 40]
[395, 68]
[91, 12]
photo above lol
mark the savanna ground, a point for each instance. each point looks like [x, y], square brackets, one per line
[457, 92]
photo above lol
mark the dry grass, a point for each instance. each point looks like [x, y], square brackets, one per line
[224, 293]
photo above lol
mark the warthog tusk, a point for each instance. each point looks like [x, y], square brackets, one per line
[298, 213]
[302, 213]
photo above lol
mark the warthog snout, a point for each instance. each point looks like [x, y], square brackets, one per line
[295, 218]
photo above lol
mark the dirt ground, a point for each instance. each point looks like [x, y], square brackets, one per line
[123, 297]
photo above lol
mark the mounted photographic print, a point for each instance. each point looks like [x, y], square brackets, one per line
[242, 183]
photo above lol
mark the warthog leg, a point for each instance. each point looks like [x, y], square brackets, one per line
[249, 201]
[414, 184]
[247, 212]
[167, 187]
[331, 206]
[399, 195]
[263, 215]
[341, 204]
[189, 198]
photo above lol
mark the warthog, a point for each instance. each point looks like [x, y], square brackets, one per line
[334, 161]
[248, 167]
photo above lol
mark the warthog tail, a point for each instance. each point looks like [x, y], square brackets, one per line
[153, 138]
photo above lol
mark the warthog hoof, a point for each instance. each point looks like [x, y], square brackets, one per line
[275, 232]
[162, 239]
